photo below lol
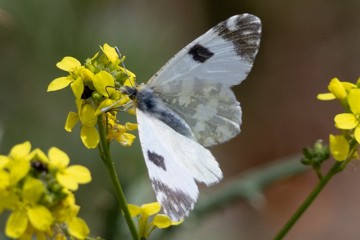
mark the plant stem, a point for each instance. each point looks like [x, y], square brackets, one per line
[106, 157]
[322, 183]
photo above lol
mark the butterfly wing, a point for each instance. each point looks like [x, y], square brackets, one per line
[174, 161]
[188, 104]
[196, 82]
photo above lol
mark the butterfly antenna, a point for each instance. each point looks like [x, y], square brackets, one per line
[122, 62]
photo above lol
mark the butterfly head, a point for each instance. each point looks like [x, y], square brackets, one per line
[132, 92]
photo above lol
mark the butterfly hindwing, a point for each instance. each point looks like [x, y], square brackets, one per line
[211, 110]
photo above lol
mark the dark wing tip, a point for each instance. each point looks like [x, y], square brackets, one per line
[244, 31]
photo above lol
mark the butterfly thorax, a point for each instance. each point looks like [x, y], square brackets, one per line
[146, 100]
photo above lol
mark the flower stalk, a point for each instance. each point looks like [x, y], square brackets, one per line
[343, 147]
[337, 167]
[104, 148]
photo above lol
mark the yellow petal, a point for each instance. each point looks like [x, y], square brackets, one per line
[134, 210]
[71, 121]
[4, 160]
[177, 223]
[348, 85]
[40, 217]
[18, 170]
[68, 64]
[66, 180]
[16, 224]
[4, 180]
[87, 115]
[20, 151]
[339, 147]
[87, 75]
[89, 136]
[33, 189]
[150, 208]
[9, 200]
[130, 82]
[39, 155]
[58, 159]
[110, 53]
[354, 100]
[78, 228]
[79, 173]
[131, 126]
[78, 87]
[357, 134]
[126, 139]
[345, 121]
[105, 105]
[337, 88]
[326, 96]
[59, 83]
[104, 83]
[162, 221]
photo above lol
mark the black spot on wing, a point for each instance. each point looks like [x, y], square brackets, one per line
[176, 203]
[200, 53]
[157, 159]
[244, 31]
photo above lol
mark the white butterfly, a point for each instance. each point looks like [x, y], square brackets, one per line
[188, 105]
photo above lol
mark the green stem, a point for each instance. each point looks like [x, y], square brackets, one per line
[295, 217]
[106, 157]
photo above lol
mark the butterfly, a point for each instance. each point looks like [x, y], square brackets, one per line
[188, 106]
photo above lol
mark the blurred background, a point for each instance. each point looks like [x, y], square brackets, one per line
[304, 45]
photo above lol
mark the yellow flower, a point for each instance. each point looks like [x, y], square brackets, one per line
[29, 211]
[144, 212]
[338, 90]
[68, 177]
[118, 132]
[36, 188]
[66, 212]
[348, 121]
[19, 161]
[73, 67]
[111, 54]
[96, 86]
[339, 147]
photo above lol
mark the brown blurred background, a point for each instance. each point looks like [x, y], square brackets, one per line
[304, 45]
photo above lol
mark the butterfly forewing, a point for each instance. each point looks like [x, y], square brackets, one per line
[196, 82]
[223, 54]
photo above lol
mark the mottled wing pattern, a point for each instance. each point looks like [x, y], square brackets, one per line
[213, 114]
[174, 162]
[196, 82]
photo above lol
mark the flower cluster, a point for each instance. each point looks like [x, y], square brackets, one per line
[143, 214]
[38, 189]
[343, 146]
[95, 86]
